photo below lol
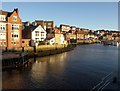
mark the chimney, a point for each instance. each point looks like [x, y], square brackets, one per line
[34, 23]
[45, 27]
[28, 23]
[16, 10]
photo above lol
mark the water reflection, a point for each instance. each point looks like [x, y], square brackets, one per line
[81, 68]
[48, 65]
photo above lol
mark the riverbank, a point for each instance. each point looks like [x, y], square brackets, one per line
[87, 41]
[47, 52]
[16, 58]
[43, 50]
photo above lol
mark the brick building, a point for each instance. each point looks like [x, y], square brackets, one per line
[10, 29]
[44, 24]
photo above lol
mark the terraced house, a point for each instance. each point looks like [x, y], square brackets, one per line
[32, 35]
[10, 29]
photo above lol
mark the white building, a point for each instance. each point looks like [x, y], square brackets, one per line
[35, 33]
[64, 28]
[51, 41]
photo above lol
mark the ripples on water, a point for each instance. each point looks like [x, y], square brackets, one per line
[81, 68]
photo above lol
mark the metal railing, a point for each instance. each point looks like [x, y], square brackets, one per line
[105, 81]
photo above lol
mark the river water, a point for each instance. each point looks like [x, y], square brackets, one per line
[81, 68]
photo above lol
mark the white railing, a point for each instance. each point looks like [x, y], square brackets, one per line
[105, 81]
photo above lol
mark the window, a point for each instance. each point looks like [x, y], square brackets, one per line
[36, 40]
[50, 24]
[42, 39]
[14, 18]
[2, 26]
[49, 27]
[14, 43]
[15, 27]
[14, 35]
[42, 33]
[4, 43]
[36, 33]
[23, 41]
[2, 35]
[2, 18]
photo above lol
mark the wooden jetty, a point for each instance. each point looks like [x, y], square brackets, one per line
[14, 60]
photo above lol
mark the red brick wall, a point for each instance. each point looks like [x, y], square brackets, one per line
[9, 29]
[26, 42]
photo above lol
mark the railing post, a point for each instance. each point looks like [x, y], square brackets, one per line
[6, 49]
[114, 79]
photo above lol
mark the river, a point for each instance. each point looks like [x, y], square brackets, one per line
[81, 68]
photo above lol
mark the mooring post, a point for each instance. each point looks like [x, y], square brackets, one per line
[22, 49]
[34, 49]
[114, 79]
[6, 49]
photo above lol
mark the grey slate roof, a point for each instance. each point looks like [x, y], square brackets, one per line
[31, 27]
[27, 31]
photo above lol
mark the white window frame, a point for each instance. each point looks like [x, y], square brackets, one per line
[2, 26]
[2, 35]
[15, 27]
[14, 18]
[37, 33]
[2, 18]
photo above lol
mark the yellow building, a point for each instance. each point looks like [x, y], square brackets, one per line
[59, 37]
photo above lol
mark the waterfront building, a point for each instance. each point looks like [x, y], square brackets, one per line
[101, 32]
[47, 25]
[72, 36]
[59, 37]
[73, 29]
[64, 28]
[33, 34]
[109, 36]
[50, 41]
[10, 29]
[80, 34]
[115, 32]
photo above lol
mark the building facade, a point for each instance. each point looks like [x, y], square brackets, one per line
[59, 37]
[44, 24]
[10, 29]
[35, 34]
[64, 28]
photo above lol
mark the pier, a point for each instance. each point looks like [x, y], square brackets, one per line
[14, 60]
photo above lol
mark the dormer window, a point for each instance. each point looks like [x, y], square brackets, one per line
[14, 18]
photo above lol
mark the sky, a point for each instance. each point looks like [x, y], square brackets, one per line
[90, 15]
